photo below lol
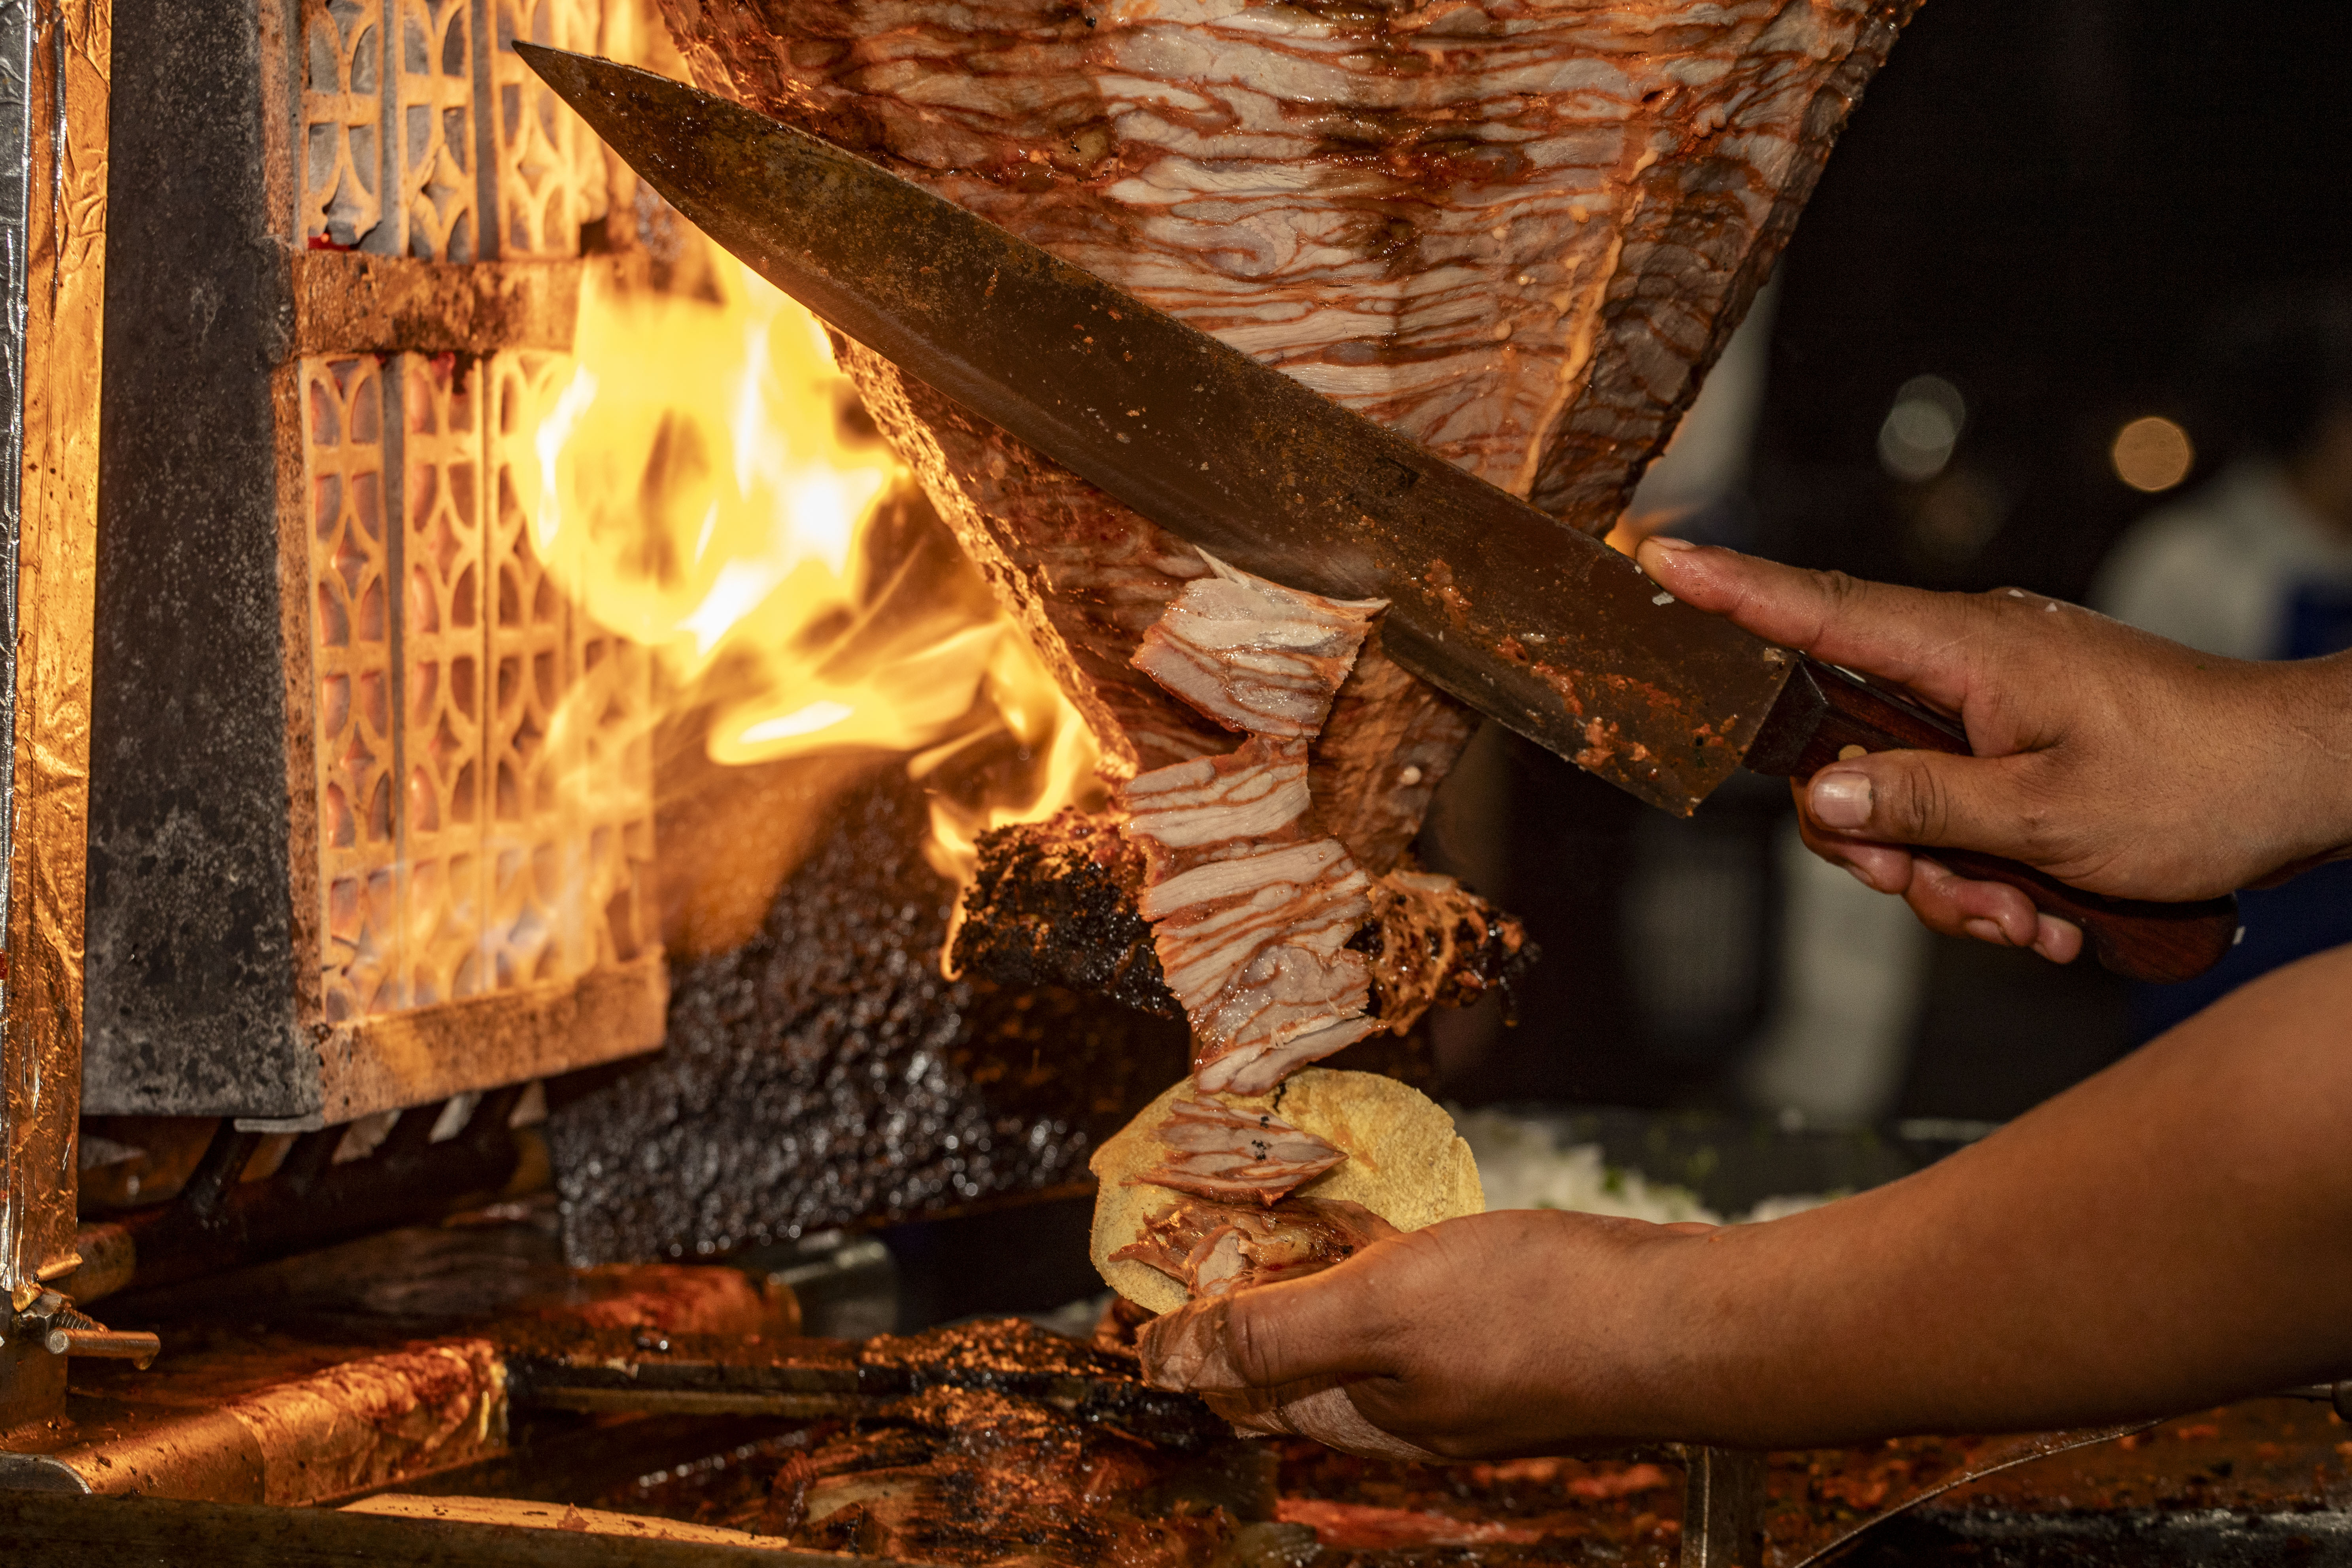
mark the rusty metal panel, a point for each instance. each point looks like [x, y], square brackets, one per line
[314, 588]
[202, 778]
[337, 866]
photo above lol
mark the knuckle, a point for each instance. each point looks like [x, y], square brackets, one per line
[1916, 807]
[2045, 832]
[1839, 591]
[1935, 908]
[1253, 1339]
[2039, 839]
[1835, 596]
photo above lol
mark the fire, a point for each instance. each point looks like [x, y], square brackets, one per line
[709, 488]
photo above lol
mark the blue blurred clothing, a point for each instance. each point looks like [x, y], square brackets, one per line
[2318, 620]
[2242, 568]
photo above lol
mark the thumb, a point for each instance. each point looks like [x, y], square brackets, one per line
[1931, 799]
[1263, 1338]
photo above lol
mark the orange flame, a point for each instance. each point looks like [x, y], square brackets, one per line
[702, 494]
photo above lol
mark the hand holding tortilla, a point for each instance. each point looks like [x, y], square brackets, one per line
[1203, 1197]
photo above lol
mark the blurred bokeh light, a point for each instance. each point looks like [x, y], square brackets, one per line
[1917, 436]
[2152, 454]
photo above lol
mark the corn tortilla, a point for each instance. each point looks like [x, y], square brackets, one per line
[1405, 1164]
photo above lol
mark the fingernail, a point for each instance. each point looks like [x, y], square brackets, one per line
[1668, 542]
[1859, 874]
[1842, 800]
[1986, 931]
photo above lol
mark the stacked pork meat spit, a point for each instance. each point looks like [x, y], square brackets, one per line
[1518, 231]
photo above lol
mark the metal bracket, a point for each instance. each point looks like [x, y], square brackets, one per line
[57, 1326]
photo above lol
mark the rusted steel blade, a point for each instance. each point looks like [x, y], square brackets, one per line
[1533, 624]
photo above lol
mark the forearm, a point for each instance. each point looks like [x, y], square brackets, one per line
[2172, 1232]
[2169, 1233]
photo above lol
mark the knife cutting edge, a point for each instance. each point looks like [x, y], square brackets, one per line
[1539, 626]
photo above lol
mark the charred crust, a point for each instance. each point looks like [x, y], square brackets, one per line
[1053, 903]
[1434, 944]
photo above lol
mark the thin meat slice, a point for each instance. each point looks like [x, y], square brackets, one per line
[1251, 913]
[1216, 1151]
[1214, 1249]
[1193, 813]
[1252, 908]
[1255, 655]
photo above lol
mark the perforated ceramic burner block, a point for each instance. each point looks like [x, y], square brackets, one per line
[417, 118]
[373, 823]
[485, 803]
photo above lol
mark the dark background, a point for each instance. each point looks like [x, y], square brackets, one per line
[2040, 201]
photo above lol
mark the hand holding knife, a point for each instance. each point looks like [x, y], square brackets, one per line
[1536, 626]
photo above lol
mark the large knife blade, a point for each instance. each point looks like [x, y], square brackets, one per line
[1533, 623]
[1536, 626]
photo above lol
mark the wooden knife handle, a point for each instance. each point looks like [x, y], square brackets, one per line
[1825, 712]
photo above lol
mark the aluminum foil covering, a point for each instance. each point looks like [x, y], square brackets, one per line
[53, 138]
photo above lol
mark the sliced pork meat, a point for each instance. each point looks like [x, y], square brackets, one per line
[1388, 743]
[1266, 932]
[975, 1477]
[1087, 579]
[1214, 1249]
[1255, 657]
[1518, 231]
[1210, 809]
[1252, 907]
[1251, 913]
[1006, 1446]
[1054, 903]
[1236, 1156]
